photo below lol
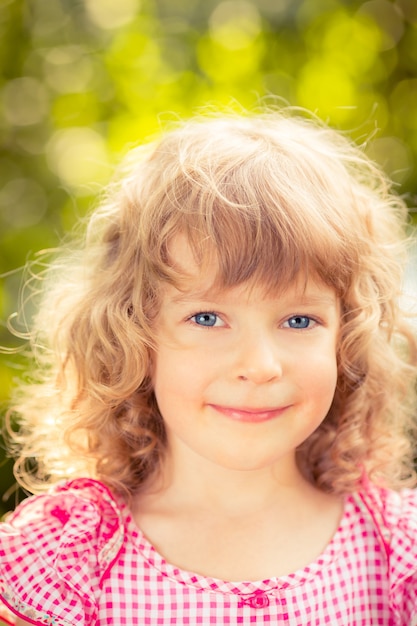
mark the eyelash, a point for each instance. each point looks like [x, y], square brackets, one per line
[192, 319]
[311, 320]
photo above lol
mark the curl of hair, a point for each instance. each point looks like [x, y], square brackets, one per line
[270, 196]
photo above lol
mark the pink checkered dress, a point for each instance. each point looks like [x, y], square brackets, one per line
[75, 557]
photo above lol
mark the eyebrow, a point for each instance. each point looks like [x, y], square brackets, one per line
[317, 299]
[191, 296]
[303, 299]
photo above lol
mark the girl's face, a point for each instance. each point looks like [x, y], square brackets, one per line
[242, 379]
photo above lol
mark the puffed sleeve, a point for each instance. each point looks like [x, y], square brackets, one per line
[55, 550]
[401, 515]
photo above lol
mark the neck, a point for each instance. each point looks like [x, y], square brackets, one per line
[193, 483]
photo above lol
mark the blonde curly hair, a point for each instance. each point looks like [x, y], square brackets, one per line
[272, 195]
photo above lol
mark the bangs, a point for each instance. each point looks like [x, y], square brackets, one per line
[265, 237]
[271, 252]
[264, 202]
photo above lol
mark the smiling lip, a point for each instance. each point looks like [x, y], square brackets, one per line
[249, 415]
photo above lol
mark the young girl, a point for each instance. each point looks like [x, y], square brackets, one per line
[222, 428]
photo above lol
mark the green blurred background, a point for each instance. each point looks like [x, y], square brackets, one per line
[82, 80]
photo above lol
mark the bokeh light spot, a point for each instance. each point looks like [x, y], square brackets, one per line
[235, 24]
[79, 157]
[326, 88]
[23, 202]
[389, 18]
[25, 101]
[110, 14]
[68, 69]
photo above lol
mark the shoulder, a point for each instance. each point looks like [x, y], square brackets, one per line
[396, 510]
[56, 548]
[400, 512]
[394, 514]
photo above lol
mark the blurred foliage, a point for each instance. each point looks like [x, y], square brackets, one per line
[82, 80]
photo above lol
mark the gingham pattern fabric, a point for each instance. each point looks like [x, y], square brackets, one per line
[75, 557]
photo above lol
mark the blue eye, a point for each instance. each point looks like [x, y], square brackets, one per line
[299, 322]
[205, 319]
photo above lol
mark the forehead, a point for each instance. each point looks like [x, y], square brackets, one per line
[200, 279]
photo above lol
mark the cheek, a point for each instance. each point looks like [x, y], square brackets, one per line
[174, 373]
[317, 369]
[323, 379]
[176, 391]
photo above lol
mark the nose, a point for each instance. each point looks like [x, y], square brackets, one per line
[258, 359]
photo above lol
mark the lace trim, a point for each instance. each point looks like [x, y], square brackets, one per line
[110, 551]
[25, 611]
